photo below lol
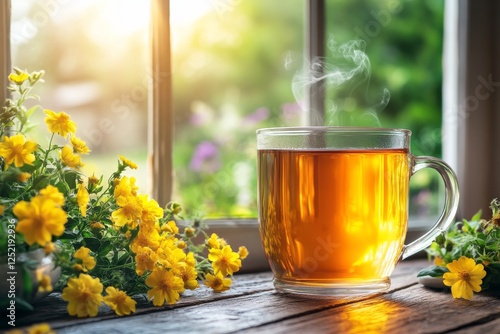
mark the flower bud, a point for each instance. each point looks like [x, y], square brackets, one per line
[189, 231]
[440, 239]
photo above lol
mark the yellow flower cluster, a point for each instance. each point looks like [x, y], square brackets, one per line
[224, 262]
[110, 241]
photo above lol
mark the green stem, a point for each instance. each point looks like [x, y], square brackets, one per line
[44, 163]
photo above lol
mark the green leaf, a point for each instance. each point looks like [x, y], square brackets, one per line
[71, 179]
[92, 243]
[106, 246]
[492, 279]
[40, 182]
[477, 216]
[435, 271]
[123, 258]
[30, 111]
[69, 235]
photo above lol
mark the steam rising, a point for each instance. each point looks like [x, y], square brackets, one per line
[347, 73]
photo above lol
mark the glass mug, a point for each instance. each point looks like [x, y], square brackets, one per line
[333, 206]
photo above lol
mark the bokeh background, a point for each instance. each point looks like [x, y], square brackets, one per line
[234, 63]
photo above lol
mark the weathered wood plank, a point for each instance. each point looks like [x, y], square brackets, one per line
[53, 307]
[487, 325]
[413, 310]
[248, 310]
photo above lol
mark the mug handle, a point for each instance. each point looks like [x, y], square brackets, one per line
[450, 205]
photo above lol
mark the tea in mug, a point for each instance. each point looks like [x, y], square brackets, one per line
[333, 215]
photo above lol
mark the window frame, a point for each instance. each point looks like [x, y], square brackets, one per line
[470, 105]
[5, 65]
[161, 112]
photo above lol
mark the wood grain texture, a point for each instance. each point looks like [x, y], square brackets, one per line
[253, 306]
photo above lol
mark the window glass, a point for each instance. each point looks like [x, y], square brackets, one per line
[396, 81]
[96, 57]
[234, 68]
[231, 75]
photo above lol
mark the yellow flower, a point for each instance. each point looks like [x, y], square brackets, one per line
[119, 301]
[39, 220]
[79, 146]
[165, 286]
[145, 259]
[190, 260]
[83, 295]
[49, 248]
[44, 282]
[465, 277]
[243, 252]
[189, 277]
[54, 194]
[2, 209]
[129, 212]
[97, 225]
[151, 211]
[18, 78]
[224, 260]
[146, 238]
[170, 227]
[213, 241]
[88, 261]
[42, 328]
[438, 261]
[174, 259]
[17, 150]
[218, 282]
[127, 162]
[125, 187]
[82, 198]
[59, 123]
[23, 177]
[69, 158]
[78, 267]
[181, 244]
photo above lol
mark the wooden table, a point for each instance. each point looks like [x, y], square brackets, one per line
[253, 306]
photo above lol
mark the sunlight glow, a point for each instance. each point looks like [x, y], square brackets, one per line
[185, 12]
[126, 16]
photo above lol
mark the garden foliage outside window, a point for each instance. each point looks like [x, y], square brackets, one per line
[233, 68]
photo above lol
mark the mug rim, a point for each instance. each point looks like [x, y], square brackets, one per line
[322, 128]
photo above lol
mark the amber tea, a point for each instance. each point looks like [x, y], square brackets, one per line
[333, 215]
[333, 206]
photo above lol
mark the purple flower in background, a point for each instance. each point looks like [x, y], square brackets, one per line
[206, 158]
[257, 116]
